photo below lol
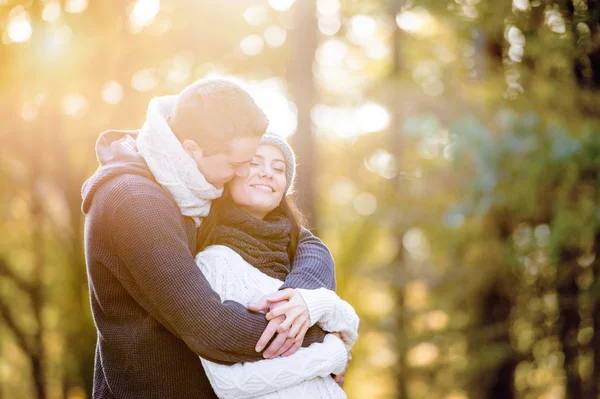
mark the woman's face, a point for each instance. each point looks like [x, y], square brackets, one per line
[264, 187]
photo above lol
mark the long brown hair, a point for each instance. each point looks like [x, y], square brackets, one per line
[207, 233]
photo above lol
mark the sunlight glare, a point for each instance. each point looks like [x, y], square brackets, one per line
[270, 96]
[76, 6]
[521, 5]
[328, 7]
[275, 36]
[372, 117]
[362, 27]
[331, 52]
[112, 92]
[75, 105]
[329, 25]
[416, 21]
[51, 12]
[256, 15]
[252, 45]
[19, 29]
[281, 5]
[383, 163]
[144, 80]
[144, 12]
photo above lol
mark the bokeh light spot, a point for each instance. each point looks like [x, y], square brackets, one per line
[51, 12]
[76, 6]
[281, 5]
[252, 45]
[365, 204]
[256, 15]
[275, 36]
[19, 28]
[112, 92]
[144, 80]
[75, 105]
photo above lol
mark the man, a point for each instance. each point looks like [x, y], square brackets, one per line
[154, 311]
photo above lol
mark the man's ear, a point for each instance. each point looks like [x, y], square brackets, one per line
[192, 148]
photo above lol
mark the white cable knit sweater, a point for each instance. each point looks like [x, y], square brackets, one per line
[305, 374]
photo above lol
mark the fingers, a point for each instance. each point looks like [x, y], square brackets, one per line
[278, 296]
[262, 304]
[279, 310]
[298, 325]
[268, 333]
[291, 317]
[293, 349]
[298, 340]
[275, 346]
[289, 342]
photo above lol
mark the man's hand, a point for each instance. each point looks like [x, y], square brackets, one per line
[288, 316]
[339, 378]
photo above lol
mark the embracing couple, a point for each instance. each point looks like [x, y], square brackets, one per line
[203, 281]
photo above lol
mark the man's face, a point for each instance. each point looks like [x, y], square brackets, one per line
[220, 168]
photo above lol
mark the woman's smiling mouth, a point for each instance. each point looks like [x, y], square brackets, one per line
[263, 187]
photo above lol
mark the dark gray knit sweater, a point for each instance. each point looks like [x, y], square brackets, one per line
[154, 311]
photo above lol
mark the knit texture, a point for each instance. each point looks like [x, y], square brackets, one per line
[172, 167]
[305, 374]
[331, 313]
[288, 154]
[154, 311]
[261, 242]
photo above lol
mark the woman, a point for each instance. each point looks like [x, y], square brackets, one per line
[247, 243]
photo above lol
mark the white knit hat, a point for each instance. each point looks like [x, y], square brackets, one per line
[288, 154]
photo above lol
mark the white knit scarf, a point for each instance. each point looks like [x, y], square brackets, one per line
[173, 168]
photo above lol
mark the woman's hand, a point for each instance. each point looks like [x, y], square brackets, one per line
[286, 303]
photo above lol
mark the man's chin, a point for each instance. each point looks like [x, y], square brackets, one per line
[218, 185]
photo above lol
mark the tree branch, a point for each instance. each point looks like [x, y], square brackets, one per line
[19, 334]
[7, 272]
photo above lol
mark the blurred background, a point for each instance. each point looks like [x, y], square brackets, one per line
[449, 156]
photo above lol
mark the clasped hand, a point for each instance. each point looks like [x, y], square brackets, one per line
[288, 316]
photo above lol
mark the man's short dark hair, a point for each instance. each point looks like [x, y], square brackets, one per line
[215, 112]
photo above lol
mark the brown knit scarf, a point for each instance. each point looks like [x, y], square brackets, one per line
[262, 243]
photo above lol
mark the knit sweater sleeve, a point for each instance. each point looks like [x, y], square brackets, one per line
[313, 265]
[159, 272]
[248, 380]
[233, 278]
[331, 313]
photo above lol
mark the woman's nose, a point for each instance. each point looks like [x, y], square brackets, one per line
[266, 171]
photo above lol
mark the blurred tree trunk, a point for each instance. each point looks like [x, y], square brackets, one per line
[30, 342]
[398, 264]
[495, 311]
[569, 319]
[595, 344]
[79, 331]
[303, 43]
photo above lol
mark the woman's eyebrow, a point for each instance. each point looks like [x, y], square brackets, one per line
[274, 160]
